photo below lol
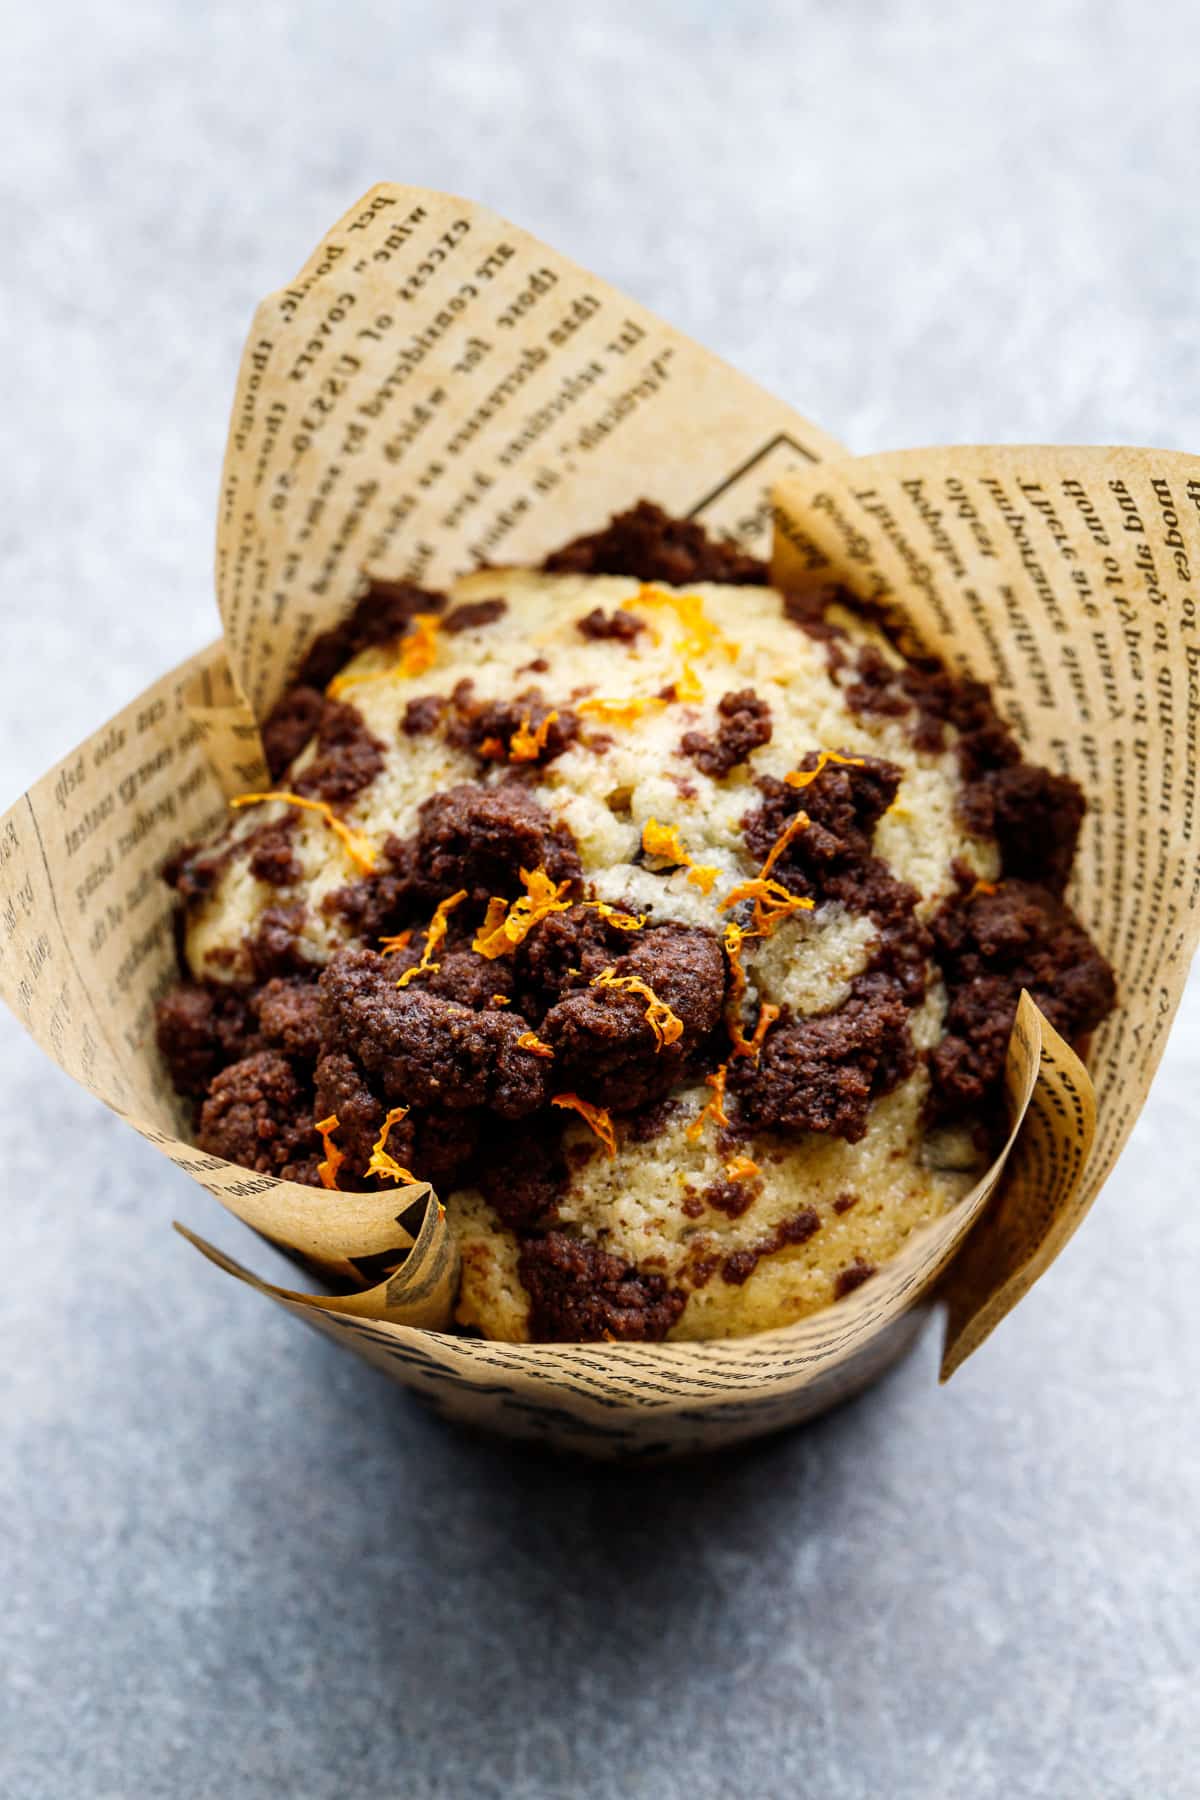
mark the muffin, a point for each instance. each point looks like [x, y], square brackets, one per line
[670, 925]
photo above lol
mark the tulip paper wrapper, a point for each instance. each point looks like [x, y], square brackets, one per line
[436, 389]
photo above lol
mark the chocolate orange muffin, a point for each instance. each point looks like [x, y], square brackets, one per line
[670, 925]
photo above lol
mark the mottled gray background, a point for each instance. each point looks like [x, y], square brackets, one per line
[233, 1562]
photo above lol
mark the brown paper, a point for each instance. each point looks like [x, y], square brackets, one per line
[656, 1399]
[436, 389]
[1067, 579]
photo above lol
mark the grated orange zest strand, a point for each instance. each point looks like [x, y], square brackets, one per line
[529, 1040]
[664, 841]
[618, 712]
[356, 845]
[334, 1158]
[751, 1046]
[418, 650]
[791, 830]
[700, 634]
[527, 745]
[715, 1109]
[735, 937]
[688, 687]
[800, 778]
[666, 1025]
[622, 921]
[382, 1163]
[596, 1117]
[772, 903]
[434, 936]
[388, 946]
[505, 926]
[741, 1169]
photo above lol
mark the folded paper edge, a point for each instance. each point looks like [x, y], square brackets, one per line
[986, 1279]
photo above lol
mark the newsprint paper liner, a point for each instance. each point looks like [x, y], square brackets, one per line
[437, 390]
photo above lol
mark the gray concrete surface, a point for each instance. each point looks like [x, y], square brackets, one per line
[234, 1563]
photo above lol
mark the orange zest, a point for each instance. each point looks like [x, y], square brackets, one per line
[419, 649]
[505, 926]
[388, 946]
[526, 745]
[800, 778]
[434, 936]
[664, 841]
[381, 1162]
[622, 921]
[688, 688]
[529, 1040]
[356, 845]
[750, 1046]
[703, 875]
[741, 1169]
[700, 634]
[493, 749]
[982, 887]
[772, 903]
[501, 1000]
[666, 1025]
[595, 1116]
[334, 1158]
[735, 937]
[715, 1109]
[618, 712]
[418, 652]
[791, 830]
[493, 923]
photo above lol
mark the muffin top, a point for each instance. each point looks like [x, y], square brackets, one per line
[672, 927]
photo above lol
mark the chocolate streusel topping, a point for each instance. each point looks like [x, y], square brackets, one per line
[348, 756]
[822, 1073]
[649, 545]
[991, 945]
[741, 1264]
[286, 1007]
[272, 858]
[423, 1049]
[260, 1115]
[489, 729]
[745, 725]
[604, 1046]
[580, 1294]
[1035, 817]
[423, 714]
[292, 721]
[382, 613]
[474, 613]
[480, 838]
[200, 1028]
[622, 627]
[525, 1172]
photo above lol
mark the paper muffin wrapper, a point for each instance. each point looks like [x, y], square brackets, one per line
[437, 389]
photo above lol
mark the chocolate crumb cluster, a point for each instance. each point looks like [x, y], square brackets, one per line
[486, 1000]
